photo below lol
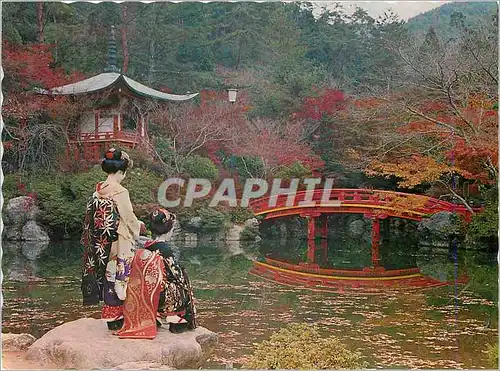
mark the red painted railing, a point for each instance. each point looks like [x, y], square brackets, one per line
[109, 136]
[381, 203]
[91, 147]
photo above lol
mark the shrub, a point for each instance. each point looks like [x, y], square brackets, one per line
[142, 185]
[143, 159]
[295, 170]
[245, 166]
[249, 233]
[61, 211]
[300, 346]
[212, 220]
[63, 197]
[184, 214]
[10, 187]
[200, 167]
[239, 214]
[484, 226]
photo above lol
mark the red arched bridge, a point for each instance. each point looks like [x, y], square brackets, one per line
[373, 204]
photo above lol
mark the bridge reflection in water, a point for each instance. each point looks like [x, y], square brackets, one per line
[375, 205]
[311, 276]
[344, 262]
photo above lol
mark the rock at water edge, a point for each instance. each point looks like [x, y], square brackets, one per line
[33, 232]
[19, 210]
[87, 344]
[16, 342]
[234, 233]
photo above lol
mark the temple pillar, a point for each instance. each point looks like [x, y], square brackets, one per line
[311, 227]
[375, 241]
[311, 238]
[96, 121]
[115, 125]
[140, 126]
[76, 152]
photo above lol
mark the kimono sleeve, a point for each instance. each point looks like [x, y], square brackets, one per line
[127, 215]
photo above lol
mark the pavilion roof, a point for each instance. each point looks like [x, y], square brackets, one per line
[113, 79]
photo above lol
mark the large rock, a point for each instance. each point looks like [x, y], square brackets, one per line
[251, 223]
[439, 229]
[16, 342]
[234, 233]
[33, 249]
[12, 232]
[88, 344]
[176, 230]
[19, 210]
[33, 232]
[19, 218]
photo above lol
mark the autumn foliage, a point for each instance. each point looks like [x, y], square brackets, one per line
[28, 67]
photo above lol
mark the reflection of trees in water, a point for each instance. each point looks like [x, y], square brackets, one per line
[349, 242]
[61, 259]
[215, 264]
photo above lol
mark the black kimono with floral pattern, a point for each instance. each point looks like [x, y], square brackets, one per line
[99, 232]
[177, 298]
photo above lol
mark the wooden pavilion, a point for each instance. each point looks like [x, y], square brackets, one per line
[114, 119]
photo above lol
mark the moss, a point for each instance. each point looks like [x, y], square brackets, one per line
[492, 352]
[300, 346]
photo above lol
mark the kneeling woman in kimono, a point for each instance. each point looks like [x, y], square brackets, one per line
[159, 288]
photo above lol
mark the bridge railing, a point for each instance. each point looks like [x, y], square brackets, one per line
[367, 197]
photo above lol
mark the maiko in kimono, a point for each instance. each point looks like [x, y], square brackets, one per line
[159, 291]
[110, 231]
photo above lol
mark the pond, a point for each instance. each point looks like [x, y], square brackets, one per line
[445, 327]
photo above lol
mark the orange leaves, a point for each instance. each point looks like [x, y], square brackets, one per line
[404, 203]
[477, 101]
[453, 136]
[29, 65]
[413, 171]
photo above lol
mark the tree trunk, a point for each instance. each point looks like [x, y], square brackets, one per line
[124, 39]
[240, 47]
[40, 21]
[151, 60]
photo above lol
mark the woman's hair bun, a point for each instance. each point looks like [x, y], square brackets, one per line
[115, 160]
[113, 154]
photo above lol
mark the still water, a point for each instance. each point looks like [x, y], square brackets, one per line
[445, 327]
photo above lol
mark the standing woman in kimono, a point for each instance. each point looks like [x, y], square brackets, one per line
[110, 231]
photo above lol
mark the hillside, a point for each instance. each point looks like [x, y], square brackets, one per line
[440, 18]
